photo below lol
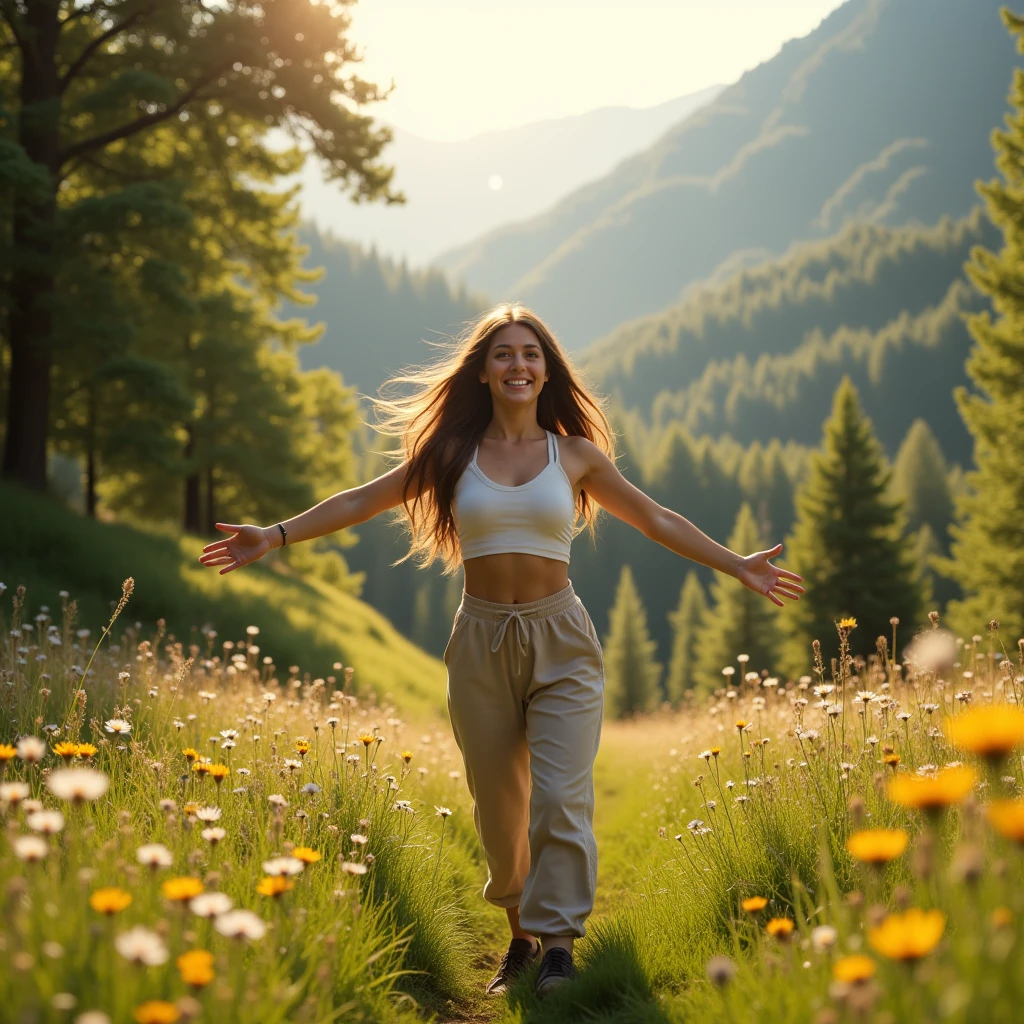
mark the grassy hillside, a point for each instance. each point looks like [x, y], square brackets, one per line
[309, 624]
[882, 114]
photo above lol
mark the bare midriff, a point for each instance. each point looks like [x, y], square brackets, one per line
[514, 578]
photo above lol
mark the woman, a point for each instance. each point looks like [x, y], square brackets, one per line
[505, 452]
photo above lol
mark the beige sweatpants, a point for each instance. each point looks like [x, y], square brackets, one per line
[525, 696]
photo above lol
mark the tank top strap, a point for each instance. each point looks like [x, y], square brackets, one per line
[552, 448]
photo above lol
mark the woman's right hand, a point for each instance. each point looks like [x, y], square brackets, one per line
[246, 544]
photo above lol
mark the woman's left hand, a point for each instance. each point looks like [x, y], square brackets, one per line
[757, 572]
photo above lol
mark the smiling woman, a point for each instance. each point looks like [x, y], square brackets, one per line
[506, 455]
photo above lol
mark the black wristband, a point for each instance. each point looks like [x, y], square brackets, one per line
[284, 535]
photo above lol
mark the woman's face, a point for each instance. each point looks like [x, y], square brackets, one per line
[515, 369]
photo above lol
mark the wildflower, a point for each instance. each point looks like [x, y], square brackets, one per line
[47, 822]
[367, 739]
[283, 866]
[156, 1011]
[302, 746]
[291, 764]
[361, 840]
[276, 800]
[877, 845]
[351, 868]
[311, 788]
[753, 904]
[991, 731]
[908, 936]
[742, 725]
[77, 784]
[823, 937]
[154, 855]
[721, 970]
[932, 792]
[85, 751]
[14, 792]
[201, 767]
[142, 946]
[240, 924]
[110, 901]
[854, 970]
[196, 967]
[305, 854]
[218, 772]
[1001, 917]
[31, 749]
[715, 751]
[779, 928]
[866, 697]
[181, 889]
[442, 812]
[213, 835]
[274, 885]
[1007, 818]
[191, 754]
[210, 904]
[118, 726]
[207, 813]
[406, 755]
[848, 623]
[29, 848]
[65, 750]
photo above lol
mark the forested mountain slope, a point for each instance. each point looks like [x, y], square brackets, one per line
[881, 114]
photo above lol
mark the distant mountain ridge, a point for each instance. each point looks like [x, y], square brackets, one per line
[882, 114]
[450, 200]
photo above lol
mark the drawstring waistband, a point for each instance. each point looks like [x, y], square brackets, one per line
[503, 614]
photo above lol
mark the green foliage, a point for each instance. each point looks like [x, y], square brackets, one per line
[920, 480]
[631, 672]
[737, 620]
[687, 639]
[988, 538]
[848, 543]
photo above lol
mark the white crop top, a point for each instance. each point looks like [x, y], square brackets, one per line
[535, 518]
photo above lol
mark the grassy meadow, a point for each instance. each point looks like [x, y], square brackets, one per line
[195, 832]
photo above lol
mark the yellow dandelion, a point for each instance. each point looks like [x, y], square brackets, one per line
[66, 750]
[1007, 818]
[201, 767]
[854, 970]
[367, 738]
[892, 760]
[406, 756]
[181, 889]
[190, 808]
[779, 927]
[196, 967]
[305, 854]
[989, 730]
[753, 904]
[932, 792]
[1002, 917]
[877, 845]
[741, 724]
[7, 753]
[190, 754]
[274, 885]
[848, 623]
[85, 751]
[715, 751]
[218, 772]
[302, 746]
[908, 936]
[156, 1011]
[110, 901]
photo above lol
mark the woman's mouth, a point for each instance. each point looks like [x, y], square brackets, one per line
[517, 383]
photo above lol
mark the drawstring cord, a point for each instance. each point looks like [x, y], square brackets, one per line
[522, 636]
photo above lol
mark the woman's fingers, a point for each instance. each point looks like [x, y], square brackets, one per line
[789, 588]
[786, 574]
[775, 600]
[227, 527]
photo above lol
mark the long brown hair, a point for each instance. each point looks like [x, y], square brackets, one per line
[443, 418]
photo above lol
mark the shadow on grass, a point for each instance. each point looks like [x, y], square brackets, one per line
[612, 988]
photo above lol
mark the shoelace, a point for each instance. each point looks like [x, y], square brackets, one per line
[522, 635]
[557, 961]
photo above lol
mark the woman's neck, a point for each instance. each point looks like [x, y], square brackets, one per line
[514, 424]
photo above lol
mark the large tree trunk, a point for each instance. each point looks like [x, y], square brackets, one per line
[32, 281]
[193, 520]
[210, 501]
[90, 458]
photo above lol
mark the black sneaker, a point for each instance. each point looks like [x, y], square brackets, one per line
[518, 957]
[555, 968]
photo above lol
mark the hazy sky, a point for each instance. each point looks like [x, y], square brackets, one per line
[461, 68]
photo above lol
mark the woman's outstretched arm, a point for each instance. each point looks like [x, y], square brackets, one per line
[346, 508]
[602, 480]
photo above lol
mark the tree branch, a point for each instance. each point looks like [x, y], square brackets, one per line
[94, 44]
[139, 124]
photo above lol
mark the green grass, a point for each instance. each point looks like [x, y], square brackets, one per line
[308, 623]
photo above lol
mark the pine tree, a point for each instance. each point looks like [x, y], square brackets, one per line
[686, 631]
[920, 479]
[631, 672]
[738, 620]
[987, 556]
[848, 542]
